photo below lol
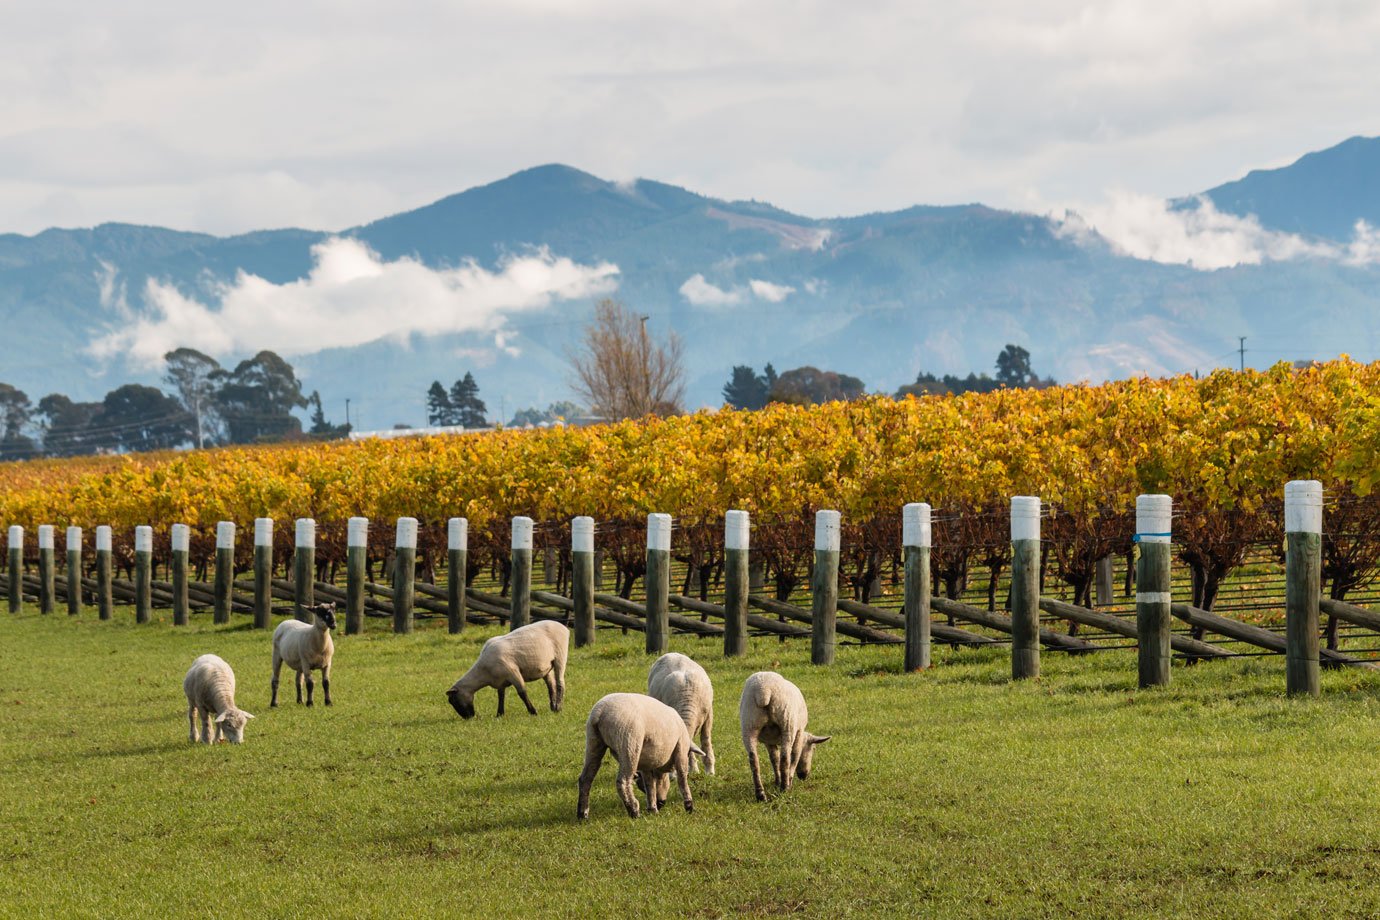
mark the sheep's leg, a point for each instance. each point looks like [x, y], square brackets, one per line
[205, 727]
[191, 723]
[297, 681]
[683, 779]
[326, 684]
[707, 742]
[502, 694]
[521, 688]
[550, 679]
[663, 789]
[277, 667]
[595, 749]
[778, 764]
[750, 742]
[558, 669]
[627, 767]
[311, 684]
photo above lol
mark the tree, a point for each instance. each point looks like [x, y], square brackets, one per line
[746, 389]
[319, 426]
[439, 410]
[193, 376]
[621, 372]
[135, 417]
[469, 410]
[65, 425]
[257, 398]
[1013, 367]
[807, 385]
[14, 413]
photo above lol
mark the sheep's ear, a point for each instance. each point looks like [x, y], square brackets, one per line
[247, 715]
[816, 739]
[222, 717]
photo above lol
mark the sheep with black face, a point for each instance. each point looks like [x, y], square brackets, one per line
[537, 650]
[305, 647]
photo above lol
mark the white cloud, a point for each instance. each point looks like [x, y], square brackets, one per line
[771, 293]
[350, 297]
[702, 293]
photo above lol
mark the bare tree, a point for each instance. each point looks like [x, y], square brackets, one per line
[621, 372]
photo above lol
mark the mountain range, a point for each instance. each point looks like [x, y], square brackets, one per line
[880, 296]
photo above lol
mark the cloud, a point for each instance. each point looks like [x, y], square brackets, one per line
[350, 297]
[771, 293]
[1199, 235]
[701, 293]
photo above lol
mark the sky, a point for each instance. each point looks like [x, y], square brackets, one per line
[226, 119]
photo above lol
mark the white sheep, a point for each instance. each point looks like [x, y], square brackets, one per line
[210, 688]
[681, 683]
[306, 647]
[536, 650]
[649, 740]
[772, 710]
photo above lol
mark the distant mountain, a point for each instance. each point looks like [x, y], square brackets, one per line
[879, 296]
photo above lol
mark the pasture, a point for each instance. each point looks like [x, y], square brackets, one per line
[952, 792]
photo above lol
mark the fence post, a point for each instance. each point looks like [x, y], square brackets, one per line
[304, 569]
[105, 573]
[520, 581]
[225, 571]
[46, 575]
[1303, 501]
[1025, 587]
[181, 544]
[915, 547]
[263, 572]
[404, 574]
[1153, 517]
[582, 578]
[658, 583]
[16, 569]
[143, 573]
[737, 538]
[825, 587]
[74, 570]
[356, 561]
[548, 565]
[457, 561]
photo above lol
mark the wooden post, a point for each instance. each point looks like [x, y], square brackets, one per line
[143, 573]
[16, 568]
[825, 587]
[1153, 516]
[46, 574]
[304, 569]
[1105, 590]
[457, 559]
[582, 578]
[404, 574]
[1025, 587]
[915, 548]
[263, 572]
[225, 572]
[181, 544]
[520, 581]
[1303, 502]
[356, 561]
[548, 565]
[105, 573]
[598, 570]
[658, 583]
[737, 537]
[74, 570]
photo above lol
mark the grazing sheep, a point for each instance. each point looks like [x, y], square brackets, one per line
[305, 647]
[528, 652]
[210, 688]
[650, 741]
[681, 683]
[772, 709]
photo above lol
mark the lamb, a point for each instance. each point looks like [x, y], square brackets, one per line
[681, 683]
[210, 688]
[528, 652]
[773, 710]
[650, 741]
[305, 647]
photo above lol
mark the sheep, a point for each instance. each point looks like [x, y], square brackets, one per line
[305, 647]
[772, 709]
[528, 652]
[210, 687]
[650, 741]
[681, 683]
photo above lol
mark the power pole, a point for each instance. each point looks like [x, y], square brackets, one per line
[1242, 347]
[347, 411]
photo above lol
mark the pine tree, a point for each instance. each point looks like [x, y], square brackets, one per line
[469, 409]
[745, 389]
[439, 410]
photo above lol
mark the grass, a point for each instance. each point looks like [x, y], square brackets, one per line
[948, 793]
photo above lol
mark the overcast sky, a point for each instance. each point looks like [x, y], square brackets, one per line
[240, 116]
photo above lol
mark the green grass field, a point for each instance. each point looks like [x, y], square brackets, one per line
[949, 793]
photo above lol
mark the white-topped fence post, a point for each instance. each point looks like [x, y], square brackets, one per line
[658, 583]
[1303, 511]
[143, 573]
[1025, 587]
[225, 572]
[304, 569]
[404, 574]
[457, 565]
[356, 563]
[915, 550]
[46, 572]
[520, 577]
[263, 572]
[1154, 514]
[74, 592]
[825, 587]
[181, 546]
[16, 568]
[105, 573]
[582, 578]
[737, 537]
